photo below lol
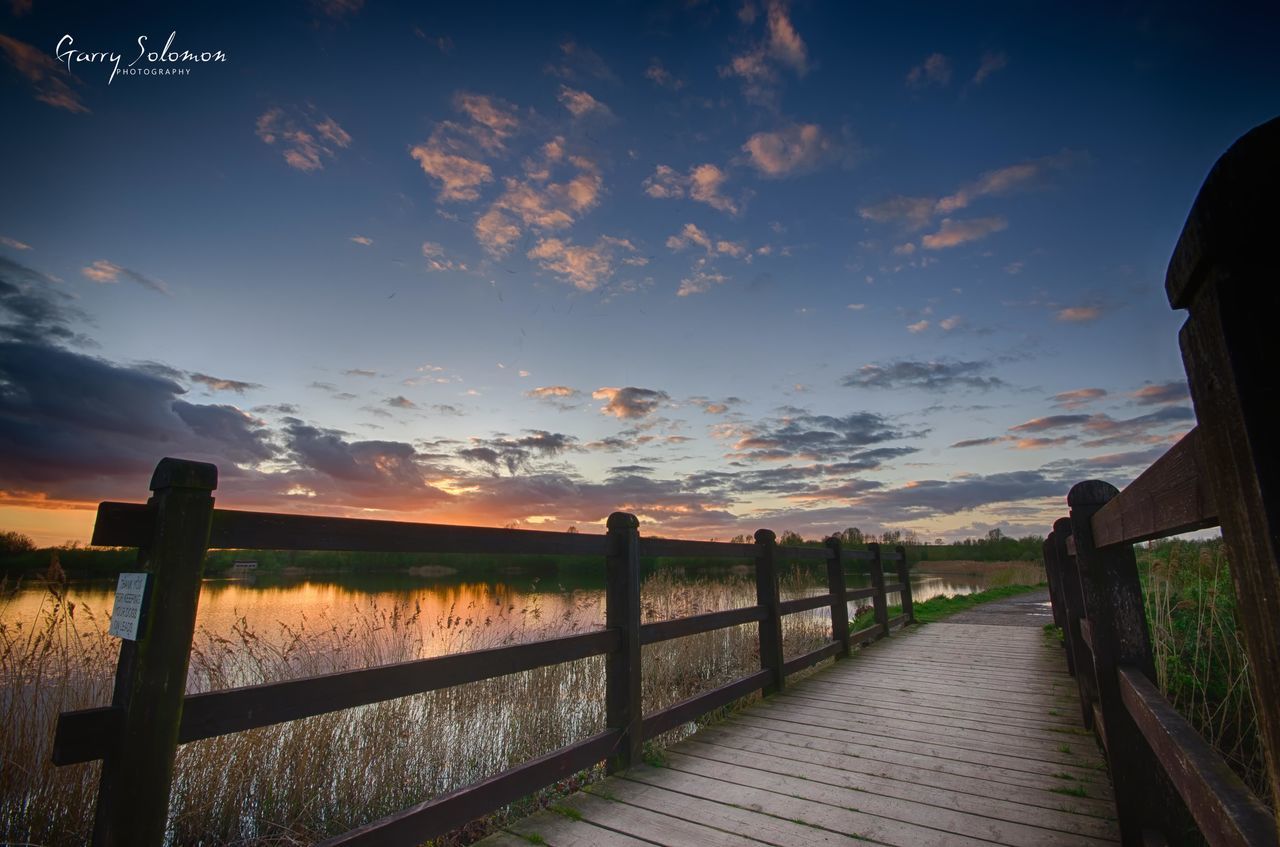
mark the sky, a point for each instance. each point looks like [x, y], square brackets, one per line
[804, 266]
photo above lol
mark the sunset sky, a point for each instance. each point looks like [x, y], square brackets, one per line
[724, 265]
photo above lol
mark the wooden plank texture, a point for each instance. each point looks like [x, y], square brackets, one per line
[951, 734]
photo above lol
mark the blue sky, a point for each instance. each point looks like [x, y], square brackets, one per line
[805, 266]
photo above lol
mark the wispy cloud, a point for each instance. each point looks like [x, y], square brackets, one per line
[953, 233]
[214, 383]
[1078, 398]
[362, 240]
[660, 76]
[794, 149]
[991, 62]
[934, 70]
[1161, 394]
[13, 243]
[925, 375]
[50, 80]
[102, 271]
[630, 403]
[306, 137]
[703, 183]
[586, 267]
[1079, 314]
[581, 104]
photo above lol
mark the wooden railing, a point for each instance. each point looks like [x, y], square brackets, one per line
[136, 737]
[1224, 472]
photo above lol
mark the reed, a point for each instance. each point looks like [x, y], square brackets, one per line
[297, 782]
[1200, 659]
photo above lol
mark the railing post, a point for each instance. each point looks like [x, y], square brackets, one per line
[151, 677]
[904, 576]
[839, 602]
[879, 603]
[1053, 573]
[1073, 608]
[1113, 598]
[767, 599]
[1223, 272]
[624, 709]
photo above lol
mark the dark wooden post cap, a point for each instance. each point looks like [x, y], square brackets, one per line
[184, 473]
[1233, 219]
[832, 541]
[1091, 492]
[620, 521]
[765, 536]
[1062, 528]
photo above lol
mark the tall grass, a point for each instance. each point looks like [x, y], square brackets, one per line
[1200, 659]
[297, 782]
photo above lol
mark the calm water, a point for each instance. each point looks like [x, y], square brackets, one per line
[450, 613]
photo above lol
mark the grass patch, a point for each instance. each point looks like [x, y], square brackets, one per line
[939, 608]
[566, 811]
[1071, 791]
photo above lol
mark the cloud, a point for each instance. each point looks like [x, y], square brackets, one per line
[934, 70]
[927, 376]
[758, 66]
[1162, 393]
[980, 442]
[918, 327]
[991, 62]
[50, 80]
[14, 243]
[306, 138]
[1079, 314]
[453, 153]
[953, 233]
[576, 61]
[214, 383]
[688, 235]
[561, 396]
[703, 183]
[338, 9]
[105, 272]
[581, 104]
[400, 402]
[364, 372]
[517, 454]
[1078, 398]
[539, 203]
[586, 268]
[801, 435]
[436, 260]
[630, 403]
[34, 310]
[794, 149]
[362, 240]
[1051, 422]
[953, 322]
[915, 212]
[699, 281]
[661, 77]
[1102, 429]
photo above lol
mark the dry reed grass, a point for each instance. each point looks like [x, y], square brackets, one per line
[297, 782]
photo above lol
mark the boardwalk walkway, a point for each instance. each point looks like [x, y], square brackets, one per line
[959, 733]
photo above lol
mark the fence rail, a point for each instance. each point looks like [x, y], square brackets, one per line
[178, 525]
[1225, 471]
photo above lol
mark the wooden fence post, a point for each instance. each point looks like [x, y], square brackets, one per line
[839, 602]
[151, 678]
[1118, 622]
[1053, 574]
[904, 576]
[1074, 609]
[879, 603]
[1223, 272]
[767, 599]
[624, 708]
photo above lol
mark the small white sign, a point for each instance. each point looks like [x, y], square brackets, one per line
[126, 614]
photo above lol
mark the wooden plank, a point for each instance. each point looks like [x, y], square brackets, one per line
[85, 735]
[860, 593]
[123, 525]
[913, 795]
[1086, 633]
[749, 825]
[1017, 787]
[652, 633]
[450, 811]
[658, 827]
[556, 830]
[954, 823]
[692, 708]
[271, 531]
[939, 706]
[1224, 808]
[677, 549]
[850, 821]
[1170, 497]
[804, 604]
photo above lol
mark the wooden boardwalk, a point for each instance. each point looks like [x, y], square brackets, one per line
[959, 733]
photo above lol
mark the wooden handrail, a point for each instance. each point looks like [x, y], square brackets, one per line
[91, 734]
[1170, 497]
